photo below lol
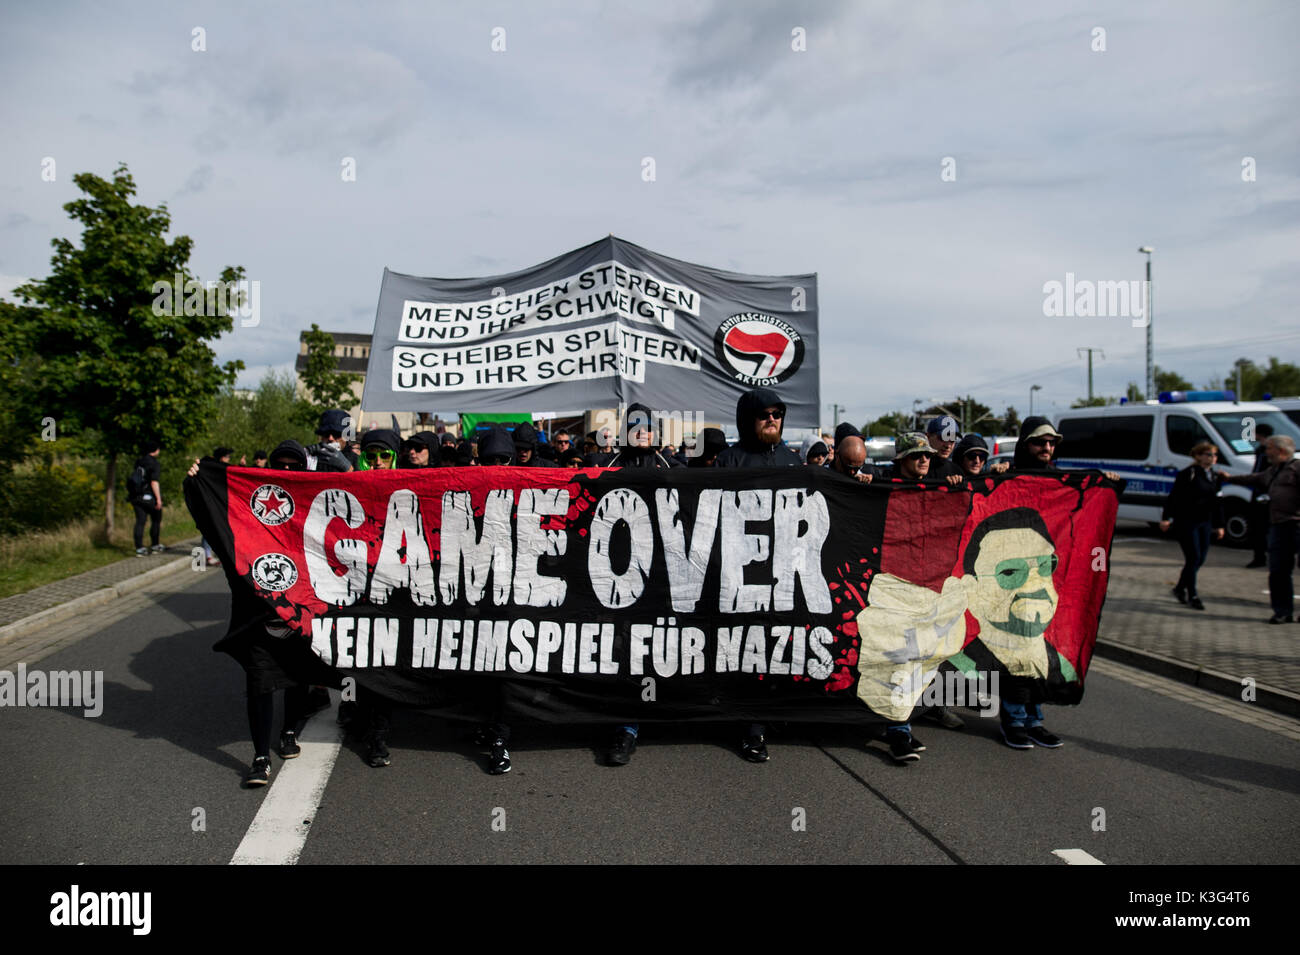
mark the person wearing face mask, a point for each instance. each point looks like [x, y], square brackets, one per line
[330, 454]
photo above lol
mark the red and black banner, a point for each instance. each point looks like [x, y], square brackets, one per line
[631, 595]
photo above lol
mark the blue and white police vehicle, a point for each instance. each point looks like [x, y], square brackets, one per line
[1148, 443]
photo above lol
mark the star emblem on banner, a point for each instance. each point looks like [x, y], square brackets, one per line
[271, 504]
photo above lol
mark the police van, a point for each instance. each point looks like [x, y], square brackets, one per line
[1148, 443]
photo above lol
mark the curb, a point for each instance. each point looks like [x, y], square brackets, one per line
[51, 615]
[1201, 677]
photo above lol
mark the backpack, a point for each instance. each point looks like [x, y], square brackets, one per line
[136, 483]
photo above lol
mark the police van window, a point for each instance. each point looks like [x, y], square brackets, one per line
[1183, 432]
[1110, 438]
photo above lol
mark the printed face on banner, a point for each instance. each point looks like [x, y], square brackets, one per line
[1011, 592]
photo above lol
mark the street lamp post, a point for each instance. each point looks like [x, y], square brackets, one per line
[1151, 368]
[1032, 389]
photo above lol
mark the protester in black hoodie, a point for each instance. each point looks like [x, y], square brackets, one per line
[526, 456]
[636, 449]
[970, 456]
[420, 450]
[760, 420]
[710, 443]
[1037, 447]
[496, 447]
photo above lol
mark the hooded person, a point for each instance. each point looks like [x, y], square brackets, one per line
[813, 447]
[845, 430]
[1037, 446]
[330, 454]
[420, 450]
[760, 420]
[636, 448]
[970, 455]
[525, 440]
[496, 446]
[379, 449]
[712, 443]
[290, 456]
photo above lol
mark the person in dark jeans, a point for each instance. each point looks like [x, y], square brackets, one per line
[147, 500]
[1195, 509]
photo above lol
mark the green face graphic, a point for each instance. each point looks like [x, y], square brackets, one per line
[1011, 591]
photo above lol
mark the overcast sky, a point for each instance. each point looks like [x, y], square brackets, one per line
[471, 161]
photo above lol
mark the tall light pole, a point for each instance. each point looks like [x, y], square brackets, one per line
[1151, 368]
[1032, 389]
[836, 409]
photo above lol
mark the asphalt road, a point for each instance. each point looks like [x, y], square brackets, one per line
[1178, 782]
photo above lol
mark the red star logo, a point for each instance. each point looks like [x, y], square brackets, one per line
[271, 504]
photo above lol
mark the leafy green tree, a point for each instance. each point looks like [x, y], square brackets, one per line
[1279, 378]
[1171, 381]
[326, 387]
[888, 425]
[112, 357]
[1096, 401]
[1011, 420]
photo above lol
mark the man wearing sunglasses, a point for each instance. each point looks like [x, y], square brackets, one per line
[970, 455]
[1038, 446]
[1007, 575]
[379, 448]
[760, 420]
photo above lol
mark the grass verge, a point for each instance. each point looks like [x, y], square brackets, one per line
[43, 557]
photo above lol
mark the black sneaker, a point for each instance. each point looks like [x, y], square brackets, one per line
[1195, 603]
[916, 744]
[1042, 737]
[754, 748]
[377, 752]
[1016, 737]
[158, 548]
[289, 748]
[900, 747]
[621, 750]
[1180, 595]
[1256, 563]
[259, 774]
[1280, 618]
[499, 758]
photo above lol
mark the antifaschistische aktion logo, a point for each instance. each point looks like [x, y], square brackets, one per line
[757, 349]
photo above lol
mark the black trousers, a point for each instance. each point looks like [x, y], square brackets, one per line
[147, 512]
[1194, 539]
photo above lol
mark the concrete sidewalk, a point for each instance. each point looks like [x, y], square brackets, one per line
[23, 612]
[1215, 648]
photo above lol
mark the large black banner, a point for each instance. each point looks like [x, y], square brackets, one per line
[661, 595]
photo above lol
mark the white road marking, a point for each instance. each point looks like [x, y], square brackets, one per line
[279, 830]
[1076, 857]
